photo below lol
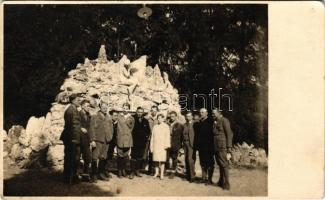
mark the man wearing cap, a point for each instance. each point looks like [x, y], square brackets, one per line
[85, 136]
[124, 140]
[71, 140]
[101, 133]
[140, 133]
[223, 135]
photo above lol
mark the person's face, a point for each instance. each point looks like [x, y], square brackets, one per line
[86, 107]
[125, 108]
[196, 117]
[104, 108]
[216, 114]
[76, 101]
[173, 117]
[154, 111]
[114, 116]
[203, 113]
[140, 112]
[161, 119]
[189, 117]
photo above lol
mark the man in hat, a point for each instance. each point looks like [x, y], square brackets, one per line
[140, 133]
[85, 136]
[223, 135]
[124, 140]
[71, 140]
[101, 133]
[203, 143]
[176, 132]
[188, 141]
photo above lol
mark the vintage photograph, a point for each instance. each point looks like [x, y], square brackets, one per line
[130, 99]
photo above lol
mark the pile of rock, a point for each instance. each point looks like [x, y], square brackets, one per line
[97, 80]
[244, 155]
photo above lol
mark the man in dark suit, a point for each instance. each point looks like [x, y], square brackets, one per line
[203, 142]
[223, 136]
[85, 136]
[101, 133]
[124, 140]
[176, 138]
[140, 133]
[112, 144]
[188, 141]
[71, 140]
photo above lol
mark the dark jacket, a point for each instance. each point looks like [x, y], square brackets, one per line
[85, 123]
[188, 133]
[124, 131]
[203, 139]
[222, 134]
[101, 128]
[140, 132]
[72, 127]
[176, 135]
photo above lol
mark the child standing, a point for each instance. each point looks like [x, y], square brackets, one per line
[159, 143]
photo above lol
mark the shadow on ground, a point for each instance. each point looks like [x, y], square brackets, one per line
[46, 183]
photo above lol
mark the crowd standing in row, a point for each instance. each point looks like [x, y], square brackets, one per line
[151, 139]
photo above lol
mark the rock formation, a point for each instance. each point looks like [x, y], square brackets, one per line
[97, 80]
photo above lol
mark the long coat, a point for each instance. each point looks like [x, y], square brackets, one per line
[141, 132]
[101, 128]
[159, 142]
[72, 127]
[124, 131]
[223, 134]
[85, 123]
[188, 133]
[203, 140]
[176, 132]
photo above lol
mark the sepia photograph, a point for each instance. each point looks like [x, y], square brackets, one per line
[135, 99]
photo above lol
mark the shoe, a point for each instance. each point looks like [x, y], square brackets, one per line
[155, 176]
[107, 174]
[220, 184]
[124, 173]
[226, 186]
[102, 177]
[119, 173]
[191, 180]
[93, 179]
[137, 173]
[209, 182]
[172, 175]
[131, 176]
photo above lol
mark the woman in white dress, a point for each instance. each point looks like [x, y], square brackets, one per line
[159, 143]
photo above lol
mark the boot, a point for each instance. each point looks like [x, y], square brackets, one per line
[221, 177]
[124, 163]
[94, 171]
[204, 175]
[101, 170]
[226, 186]
[119, 167]
[210, 175]
[138, 167]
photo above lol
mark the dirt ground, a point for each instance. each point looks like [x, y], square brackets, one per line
[18, 182]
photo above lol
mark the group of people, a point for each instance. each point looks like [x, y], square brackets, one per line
[142, 139]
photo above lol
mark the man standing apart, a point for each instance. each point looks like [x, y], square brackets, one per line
[203, 142]
[125, 123]
[71, 140]
[85, 136]
[140, 133]
[222, 145]
[176, 136]
[188, 141]
[101, 133]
